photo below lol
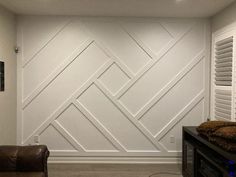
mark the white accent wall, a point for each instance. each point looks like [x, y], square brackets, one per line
[111, 89]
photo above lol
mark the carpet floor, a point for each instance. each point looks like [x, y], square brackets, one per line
[114, 170]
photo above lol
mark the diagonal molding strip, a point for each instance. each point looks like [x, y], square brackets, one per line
[153, 62]
[139, 42]
[180, 115]
[56, 73]
[73, 141]
[97, 124]
[170, 85]
[45, 45]
[106, 50]
[67, 136]
[67, 103]
[135, 122]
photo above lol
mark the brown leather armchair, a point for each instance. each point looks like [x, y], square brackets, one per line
[23, 161]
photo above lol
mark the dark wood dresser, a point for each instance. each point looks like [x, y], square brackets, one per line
[201, 158]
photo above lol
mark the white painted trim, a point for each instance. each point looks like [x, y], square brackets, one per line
[111, 138]
[180, 115]
[61, 130]
[151, 63]
[56, 73]
[114, 160]
[64, 105]
[121, 155]
[25, 63]
[127, 114]
[170, 85]
[19, 119]
[207, 72]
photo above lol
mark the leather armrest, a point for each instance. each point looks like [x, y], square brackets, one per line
[23, 158]
[32, 158]
[8, 157]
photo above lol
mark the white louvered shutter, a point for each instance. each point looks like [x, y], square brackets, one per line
[223, 67]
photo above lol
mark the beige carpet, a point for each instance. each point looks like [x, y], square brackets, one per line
[112, 170]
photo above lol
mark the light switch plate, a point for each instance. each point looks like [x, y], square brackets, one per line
[172, 139]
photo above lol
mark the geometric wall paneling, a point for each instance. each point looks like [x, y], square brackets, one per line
[173, 101]
[110, 117]
[83, 131]
[97, 88]
[114, 79]
[192, 118]
[72, 78]
[58, 143]
[46, 28]
[175, 59]
[176, 28]
[152, 34]
[68, 39]
[121, 45]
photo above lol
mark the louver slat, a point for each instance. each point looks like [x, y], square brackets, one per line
[229, 59]
[223, 106]
[227, 45]
[222, 115]
[225, 41]
[223, 62]
[223, 103]
[221, 74]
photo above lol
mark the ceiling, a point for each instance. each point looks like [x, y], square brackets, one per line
[145, 8]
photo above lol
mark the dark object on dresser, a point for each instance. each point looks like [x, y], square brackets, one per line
[208, 128]
[201, 158]
[221, 133]
[23, 161]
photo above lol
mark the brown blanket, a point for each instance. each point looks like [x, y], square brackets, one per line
[221, 133]
[207, 128]
[228, 133]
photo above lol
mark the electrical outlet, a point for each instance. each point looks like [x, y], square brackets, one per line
[172, 139]
[36, 139]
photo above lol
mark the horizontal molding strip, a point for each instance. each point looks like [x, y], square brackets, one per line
[114, 160]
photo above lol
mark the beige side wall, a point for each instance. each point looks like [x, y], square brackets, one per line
[8, 97]
[225, 18]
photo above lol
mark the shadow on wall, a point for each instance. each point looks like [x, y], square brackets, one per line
[225, 18]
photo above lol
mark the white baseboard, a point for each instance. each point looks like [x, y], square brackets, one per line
[115, 160]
